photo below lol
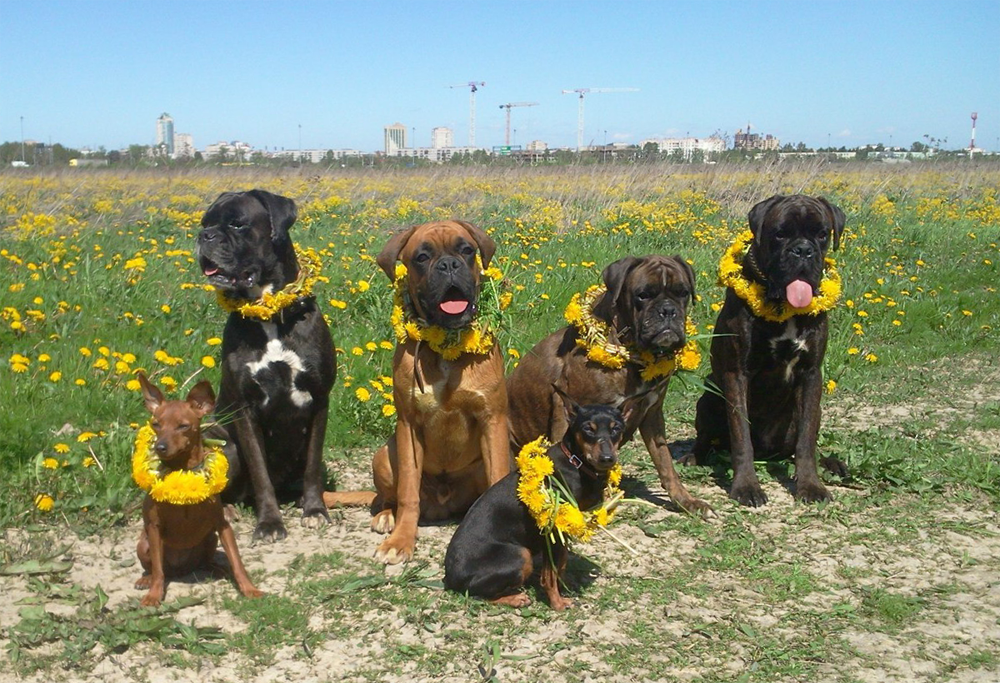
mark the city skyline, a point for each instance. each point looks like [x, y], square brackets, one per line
[825, 73]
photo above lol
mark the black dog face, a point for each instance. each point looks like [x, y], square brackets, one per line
[594, 432]
[791, 237]
[443, 275]
[243, 247]
[647, 300]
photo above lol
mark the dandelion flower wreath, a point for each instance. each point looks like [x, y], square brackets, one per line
[180, 487]
[270, 304]
[553, 508]
[731, 276]
[477, 338]
[594, 337]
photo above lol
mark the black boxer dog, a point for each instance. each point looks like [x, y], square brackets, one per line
[770, 373]
[277, 370]
[498, 544]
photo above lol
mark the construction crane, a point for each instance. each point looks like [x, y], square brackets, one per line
[508, 107]
[579, 121]
[473, 86]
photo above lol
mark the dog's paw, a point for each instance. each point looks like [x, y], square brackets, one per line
[750, 495]
[271, 531]
[812, 493]
[394, 551]
[835, 466]
[695, 506]
[152, 599]
[561, 604]
[231, 514]
[252, 593]
[516, 600]
[144, 582]
[314, 519]
[384, 522]
[688, 459]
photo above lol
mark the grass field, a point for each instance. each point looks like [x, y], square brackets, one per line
[889, 582]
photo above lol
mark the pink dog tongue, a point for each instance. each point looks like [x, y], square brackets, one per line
[799, 293]
[454, 307]
[211, 271]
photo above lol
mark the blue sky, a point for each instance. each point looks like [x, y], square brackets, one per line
[99, 72]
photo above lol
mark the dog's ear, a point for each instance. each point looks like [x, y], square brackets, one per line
[386, 258]
[688, 273]
[837, 219]
[614, 275]
[487, 247]
[202, 397]
[569, 405]
[282, 212]
[757, 214]
[151, 394]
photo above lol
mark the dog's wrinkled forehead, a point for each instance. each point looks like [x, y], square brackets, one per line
[236, 211]
[661, 276]
[436, 239]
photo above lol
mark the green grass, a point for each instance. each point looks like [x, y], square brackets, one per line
[776, 594]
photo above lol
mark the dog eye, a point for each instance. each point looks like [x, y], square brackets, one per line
[422, 258]
[823, 234]
[468, 250]
[183, 427]
[237, 226]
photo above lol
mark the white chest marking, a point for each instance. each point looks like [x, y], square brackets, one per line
[276, 352]
[799, 345]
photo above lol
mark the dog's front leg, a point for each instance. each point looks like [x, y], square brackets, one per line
[553, 569]
[653, 431]
[157, 580]
[228, 539]
[409, 471]
[251, 440]
[314, 512]
[808, 487]
[745, 488]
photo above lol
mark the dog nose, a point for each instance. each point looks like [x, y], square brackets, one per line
[448, 264]
[160, 447]
[667, 310]
[803, 250]
[208, 235]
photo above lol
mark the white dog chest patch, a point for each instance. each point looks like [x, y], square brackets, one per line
[276, 352]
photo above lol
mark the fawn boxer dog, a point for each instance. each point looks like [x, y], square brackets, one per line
[770, 371]
[644, 308]
[451, 438]
[278, 369]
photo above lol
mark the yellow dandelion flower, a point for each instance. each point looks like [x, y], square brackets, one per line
[388, 410]
[61, 448]
[44, 502]
[50, 463]
[55, 376]
[213, 341]
[208, 361]
[358, 351]
[363, 394]
[133, 385]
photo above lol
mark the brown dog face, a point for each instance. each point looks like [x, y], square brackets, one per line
[440, 258]
[791, 237]
[647, 301]
[177, 423]
[244, 247]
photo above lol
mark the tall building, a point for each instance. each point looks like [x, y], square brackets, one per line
[395, 138]
[442, 137]
[165, 134]
[752, 141]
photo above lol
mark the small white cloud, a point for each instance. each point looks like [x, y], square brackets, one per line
[846, 133]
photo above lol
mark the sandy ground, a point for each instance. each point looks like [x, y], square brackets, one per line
[839, 553]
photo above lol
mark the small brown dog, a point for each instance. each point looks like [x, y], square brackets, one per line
[178, 539]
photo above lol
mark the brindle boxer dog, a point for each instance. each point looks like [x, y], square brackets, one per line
[770, 373]
[451, 438]
[645, 307]
[276, 375]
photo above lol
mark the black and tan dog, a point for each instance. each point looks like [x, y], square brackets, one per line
[276, 373]
[451, 438]
[498, 545]
[770, 372]
[645, 308]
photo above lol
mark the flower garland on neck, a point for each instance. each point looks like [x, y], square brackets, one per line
[180, 487]
[551, 504]
[272, 303]
[731, 276]
[594, 336]
[478, 338]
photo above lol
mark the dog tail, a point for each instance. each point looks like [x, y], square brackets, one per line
[334, 499]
